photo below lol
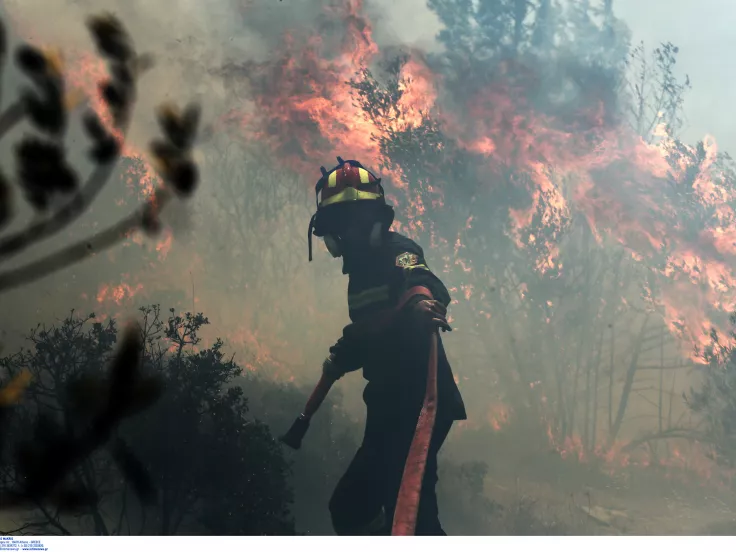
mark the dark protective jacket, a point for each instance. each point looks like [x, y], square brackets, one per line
[394, 358]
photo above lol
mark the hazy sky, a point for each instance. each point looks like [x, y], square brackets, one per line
[704, 30]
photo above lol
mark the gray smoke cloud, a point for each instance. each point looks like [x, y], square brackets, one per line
[191, 40]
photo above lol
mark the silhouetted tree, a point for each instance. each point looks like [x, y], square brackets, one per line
[212, 469]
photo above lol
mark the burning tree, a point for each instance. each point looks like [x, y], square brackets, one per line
[715, 401]
[547, 210]
[537, 158]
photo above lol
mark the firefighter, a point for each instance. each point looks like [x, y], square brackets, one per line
[354, 219]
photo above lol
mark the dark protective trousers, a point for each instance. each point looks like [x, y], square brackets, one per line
[371, 483]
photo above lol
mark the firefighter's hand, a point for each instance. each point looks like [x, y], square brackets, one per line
[331, 369]
[432, 313]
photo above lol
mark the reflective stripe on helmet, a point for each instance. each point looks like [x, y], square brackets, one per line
[364, 176]
[349, 194]
[346, 183]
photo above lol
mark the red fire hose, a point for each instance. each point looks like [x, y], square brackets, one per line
[293, 438]
[410, 491]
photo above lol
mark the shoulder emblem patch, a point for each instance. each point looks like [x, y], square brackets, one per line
[405, 260]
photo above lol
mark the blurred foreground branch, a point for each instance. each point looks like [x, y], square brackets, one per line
[45, 462]
[54, 190]
[46, 178]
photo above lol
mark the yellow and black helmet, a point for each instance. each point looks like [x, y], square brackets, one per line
[349, 183]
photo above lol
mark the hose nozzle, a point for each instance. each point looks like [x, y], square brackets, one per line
[293, 438]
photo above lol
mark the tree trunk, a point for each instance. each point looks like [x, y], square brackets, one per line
[560, 371]
[628, 383]
[584, 344]
[661, 380]
[597, 365]
[610, 379]
[669, 412]
[575, 385]
[507, 329]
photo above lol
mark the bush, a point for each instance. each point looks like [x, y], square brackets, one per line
[215, 470]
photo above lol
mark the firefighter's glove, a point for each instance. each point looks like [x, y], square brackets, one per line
[331, 369]
[431, 314]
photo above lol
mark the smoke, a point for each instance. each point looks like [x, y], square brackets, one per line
[271, 77]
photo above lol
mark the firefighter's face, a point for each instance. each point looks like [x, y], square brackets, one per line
[352, 230]
[353, 235]
[346, 240]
